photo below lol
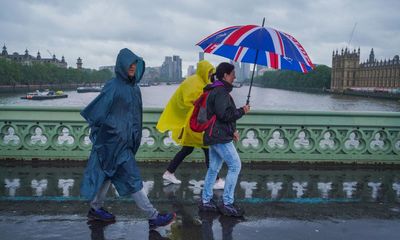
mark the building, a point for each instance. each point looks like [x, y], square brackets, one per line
[109, 68]
[171, 69]
[201, 56]
[349, 73]
[151, 74]
[190, 71]
[27, 59]
[242, 71]
[79, 63]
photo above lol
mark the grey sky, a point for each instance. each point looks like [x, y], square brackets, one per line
[95, 30]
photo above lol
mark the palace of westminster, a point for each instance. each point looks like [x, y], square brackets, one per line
[349, 73]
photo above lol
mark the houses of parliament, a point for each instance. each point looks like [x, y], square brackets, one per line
[349, 74]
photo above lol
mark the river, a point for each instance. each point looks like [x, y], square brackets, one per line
[261, 99]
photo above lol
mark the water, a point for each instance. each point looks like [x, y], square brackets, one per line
[261, 99]
[336, 202]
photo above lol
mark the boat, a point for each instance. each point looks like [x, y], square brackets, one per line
[144, 84]
[44, 95]
[88, 89]
[237, 84]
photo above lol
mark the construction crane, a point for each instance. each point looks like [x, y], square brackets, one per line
[51, 55]
[352, 33]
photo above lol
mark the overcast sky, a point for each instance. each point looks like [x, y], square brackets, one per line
[96, 30]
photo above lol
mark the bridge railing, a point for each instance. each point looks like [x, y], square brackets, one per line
[364, 137]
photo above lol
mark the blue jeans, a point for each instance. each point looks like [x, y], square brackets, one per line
[218, 154]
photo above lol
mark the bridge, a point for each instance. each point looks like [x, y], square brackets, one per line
[296, 200]
[60, 133]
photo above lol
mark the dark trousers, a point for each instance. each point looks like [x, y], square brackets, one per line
[185, 151]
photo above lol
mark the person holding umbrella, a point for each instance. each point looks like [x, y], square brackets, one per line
[220, 137]
[176, 117]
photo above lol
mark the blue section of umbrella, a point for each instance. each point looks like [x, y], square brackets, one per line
[258, 45]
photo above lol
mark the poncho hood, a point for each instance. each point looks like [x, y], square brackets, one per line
[125, 59]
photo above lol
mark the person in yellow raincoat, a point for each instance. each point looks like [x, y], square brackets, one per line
[176, 118]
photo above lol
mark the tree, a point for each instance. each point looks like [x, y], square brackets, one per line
[12, 73]
[317, 79]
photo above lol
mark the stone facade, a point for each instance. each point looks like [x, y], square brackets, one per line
[349, 73]
[28, 59]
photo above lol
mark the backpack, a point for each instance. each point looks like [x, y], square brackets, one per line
[199, 121]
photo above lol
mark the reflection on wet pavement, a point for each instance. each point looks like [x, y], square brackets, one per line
[43, 202]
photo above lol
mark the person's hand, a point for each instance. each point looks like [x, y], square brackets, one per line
[246, 109]
[236, 136]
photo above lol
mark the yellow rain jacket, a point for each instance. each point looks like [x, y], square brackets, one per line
[176, 115]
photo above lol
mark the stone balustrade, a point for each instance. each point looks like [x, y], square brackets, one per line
[48, 133]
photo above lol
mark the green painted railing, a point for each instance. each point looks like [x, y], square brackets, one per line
[364, 137]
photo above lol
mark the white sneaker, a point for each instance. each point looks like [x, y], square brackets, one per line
[219, 184]
[170, 178]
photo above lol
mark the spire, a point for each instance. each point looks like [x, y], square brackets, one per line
[38, 55]
[62, 59]
[4, 52]
[26, 52]
[79, 63]
[371, 56]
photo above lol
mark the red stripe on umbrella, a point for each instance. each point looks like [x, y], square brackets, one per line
[237, 34]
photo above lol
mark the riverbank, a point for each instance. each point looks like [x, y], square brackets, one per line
[381, 95]
[30, 88]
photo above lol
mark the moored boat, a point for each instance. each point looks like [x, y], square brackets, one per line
[44, 95]
[88, 89]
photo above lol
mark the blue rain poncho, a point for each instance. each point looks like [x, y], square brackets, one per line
[115, 121]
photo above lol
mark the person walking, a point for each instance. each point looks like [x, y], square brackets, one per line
[176, 118]
[220, 138]
[115, 121]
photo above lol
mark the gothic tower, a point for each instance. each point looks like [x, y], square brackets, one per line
[344, 69]
[4, 52]
[79, 63]
[371, 56]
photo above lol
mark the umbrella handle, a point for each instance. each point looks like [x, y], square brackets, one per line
[252, 74]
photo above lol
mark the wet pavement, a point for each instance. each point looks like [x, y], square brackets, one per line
[281, 202]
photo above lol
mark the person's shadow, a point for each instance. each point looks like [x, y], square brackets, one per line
[227, 224]
[155, 235]
[97, 229]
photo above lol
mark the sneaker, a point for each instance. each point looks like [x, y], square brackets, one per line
[170, 178]
[162, 220]
[210, 206]
[101, 215]
[231, 210]
[219, 184]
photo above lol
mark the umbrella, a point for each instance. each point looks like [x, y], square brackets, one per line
[258, 45]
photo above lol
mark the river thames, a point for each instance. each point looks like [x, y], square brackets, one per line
[261, 99]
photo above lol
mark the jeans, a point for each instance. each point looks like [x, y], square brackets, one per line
[219, 153]
[140, 198]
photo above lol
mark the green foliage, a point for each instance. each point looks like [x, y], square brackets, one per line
[12, 73]
[318, 79]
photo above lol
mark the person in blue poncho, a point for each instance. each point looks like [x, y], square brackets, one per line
[115, 120]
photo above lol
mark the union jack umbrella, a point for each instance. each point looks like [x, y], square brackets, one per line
[258, 45]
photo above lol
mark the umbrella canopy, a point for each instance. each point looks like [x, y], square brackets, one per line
[258, 45]
[276, 49]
